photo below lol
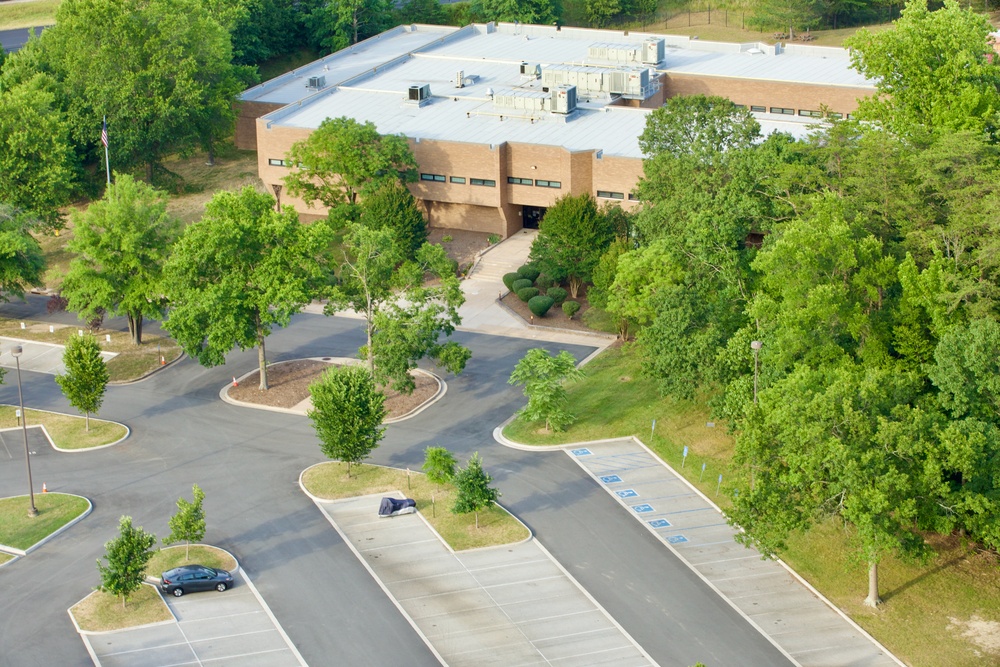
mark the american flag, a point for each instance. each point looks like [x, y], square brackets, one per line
[104, 133]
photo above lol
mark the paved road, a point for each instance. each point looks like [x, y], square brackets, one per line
[248, 462]
[12, 40]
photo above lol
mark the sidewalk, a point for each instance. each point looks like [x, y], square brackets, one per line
[508, 605]
[775, 600]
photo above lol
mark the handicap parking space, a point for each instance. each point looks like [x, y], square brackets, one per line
[230, 628]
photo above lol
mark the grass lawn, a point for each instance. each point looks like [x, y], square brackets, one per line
[725, 28]
[496, 525]
[944, 613]
[198, 182]
[4, 557]
[27, 14]
[99, 612]
[67, 431]
[171, 557]
[55, 510]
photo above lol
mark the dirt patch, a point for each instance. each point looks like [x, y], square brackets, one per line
[981, 632]
[555, 317]
[463, 244]
[289, 382]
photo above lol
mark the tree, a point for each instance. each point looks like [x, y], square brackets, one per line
[188, 524]
[421, 11]
[36, 160]
[86, 377]
[524, 11]
[21, 260]
[439, 464]
[127, 556]
[933, 72]
[790, 14]
[472, 485]
[160, 70]
[391, 204]
[336, 25]
[344, 158]
[705, 127]
[571, 239]
[121, 243]
[347, 414]
[544, 377]
[220, 298]
[601, 12]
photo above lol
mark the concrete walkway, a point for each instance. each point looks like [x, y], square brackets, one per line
[37, 357]
[797, 618]
[509, 605]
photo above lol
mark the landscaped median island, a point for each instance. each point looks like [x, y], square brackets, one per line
[943, 612]
[329, 481]
[103, 612]
[21, 532]
[67, 431]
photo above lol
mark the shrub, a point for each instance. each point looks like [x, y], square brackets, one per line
[446, 239]
[530, 272]
[527, 293]
[570, 308]
[509, 278]
[540, 305]
[543, 282]
[558, 294]
[520, 284]
[493, 239]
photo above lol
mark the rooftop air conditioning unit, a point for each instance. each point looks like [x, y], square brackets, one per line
[531, 69]
[564, 100]
[653, 51]
[420, 92]
[317, 82]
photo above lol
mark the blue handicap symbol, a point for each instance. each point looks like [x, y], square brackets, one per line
[581, 452]
[627, 493]
[659, 523]
[642, 509]
[611, 479]
[677, 539]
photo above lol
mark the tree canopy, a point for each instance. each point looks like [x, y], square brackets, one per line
[571, 239]
[347, 413]
[86, 378]
[127, 556]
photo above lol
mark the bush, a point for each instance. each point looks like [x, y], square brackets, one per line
[540, 305]
[530, 272]
[520, 284]
[493, 239]
[558, 294]
[527, 293]
[509, 278]
[543, 282]
[570, 308]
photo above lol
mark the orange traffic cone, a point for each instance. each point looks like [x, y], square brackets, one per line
[235, 383]
[45, 489]
[163, 361]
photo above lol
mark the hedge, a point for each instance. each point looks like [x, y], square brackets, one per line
[570, 308]
[527, 293]
[540, 305]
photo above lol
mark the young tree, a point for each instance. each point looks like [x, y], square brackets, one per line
[86, 377]
[544, 378]
[571, 239]
[127, 556]
[222, 298]
[188, 524]
[344, 158]
[347, 414]
[439, 464]
[473, 490]
[121, 244]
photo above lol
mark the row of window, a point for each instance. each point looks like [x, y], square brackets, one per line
[537, 183]
[791, 112]
[607, 194]
[458, 180]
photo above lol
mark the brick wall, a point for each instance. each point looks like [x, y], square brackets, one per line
[247, 114]
[841, 99]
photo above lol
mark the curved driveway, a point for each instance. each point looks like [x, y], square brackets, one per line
[248, 462]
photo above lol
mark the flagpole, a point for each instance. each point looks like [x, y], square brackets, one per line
[104, 140]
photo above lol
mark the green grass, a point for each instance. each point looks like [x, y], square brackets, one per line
[171, 557]
[27, 14]
[101, 612]
[718, 31]
[4, 557]
[932, 613]
[55, 510]
[67, 431]
[286, 63]
[496, 525]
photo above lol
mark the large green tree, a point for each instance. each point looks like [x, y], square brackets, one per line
[86, 378]
[543, 377]
[336, 25]
[524, 11]
[571, 239]
[241, 270]
[21, 260]
[121, 243]
[347, 413]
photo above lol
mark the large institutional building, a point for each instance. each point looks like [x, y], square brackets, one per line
[504, 119]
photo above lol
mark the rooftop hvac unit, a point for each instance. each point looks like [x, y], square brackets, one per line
[317, 82]
[419, 93]
[533, 70]
[653, 51]
[460, 79]
[637, 84]
[564, 100]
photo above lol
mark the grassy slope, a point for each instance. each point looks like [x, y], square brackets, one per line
[942, 613]
[55, 510]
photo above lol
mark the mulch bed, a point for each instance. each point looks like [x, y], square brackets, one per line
[555, 317]
[289, 382]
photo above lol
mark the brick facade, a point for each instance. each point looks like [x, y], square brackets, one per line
[768, 94]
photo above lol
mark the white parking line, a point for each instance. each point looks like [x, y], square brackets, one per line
[244, 655]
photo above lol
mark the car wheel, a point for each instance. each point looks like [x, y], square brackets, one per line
[221, 586]
[178, 592]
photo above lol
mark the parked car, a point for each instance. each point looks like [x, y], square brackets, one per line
[193, 578]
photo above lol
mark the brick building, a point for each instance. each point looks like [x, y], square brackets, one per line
[504, 119]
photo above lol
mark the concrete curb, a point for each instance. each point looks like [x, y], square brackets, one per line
[93, 633]
[52, 444]
[146, 376]
[83, 515]
[538, 327]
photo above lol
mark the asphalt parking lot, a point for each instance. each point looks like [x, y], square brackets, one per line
[230, 628]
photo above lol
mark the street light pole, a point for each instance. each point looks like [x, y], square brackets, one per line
[755, 345]
[16, 352]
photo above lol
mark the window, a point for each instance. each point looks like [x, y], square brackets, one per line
[519, 181]
[758, 108]
[276, 163]
[604, 194]
[834, 115]
[548, 184]
[457, 179]
[483, 181]
[633, 197]
[810, 114]
[740, 106]
[782, 110]
[432, 177]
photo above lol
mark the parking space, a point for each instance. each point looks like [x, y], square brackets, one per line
[230, 628]
[12, 443]
[37, 357]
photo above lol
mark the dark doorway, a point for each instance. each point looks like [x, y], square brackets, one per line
[531, 216]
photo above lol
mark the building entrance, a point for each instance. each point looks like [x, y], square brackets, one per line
[531, 216]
